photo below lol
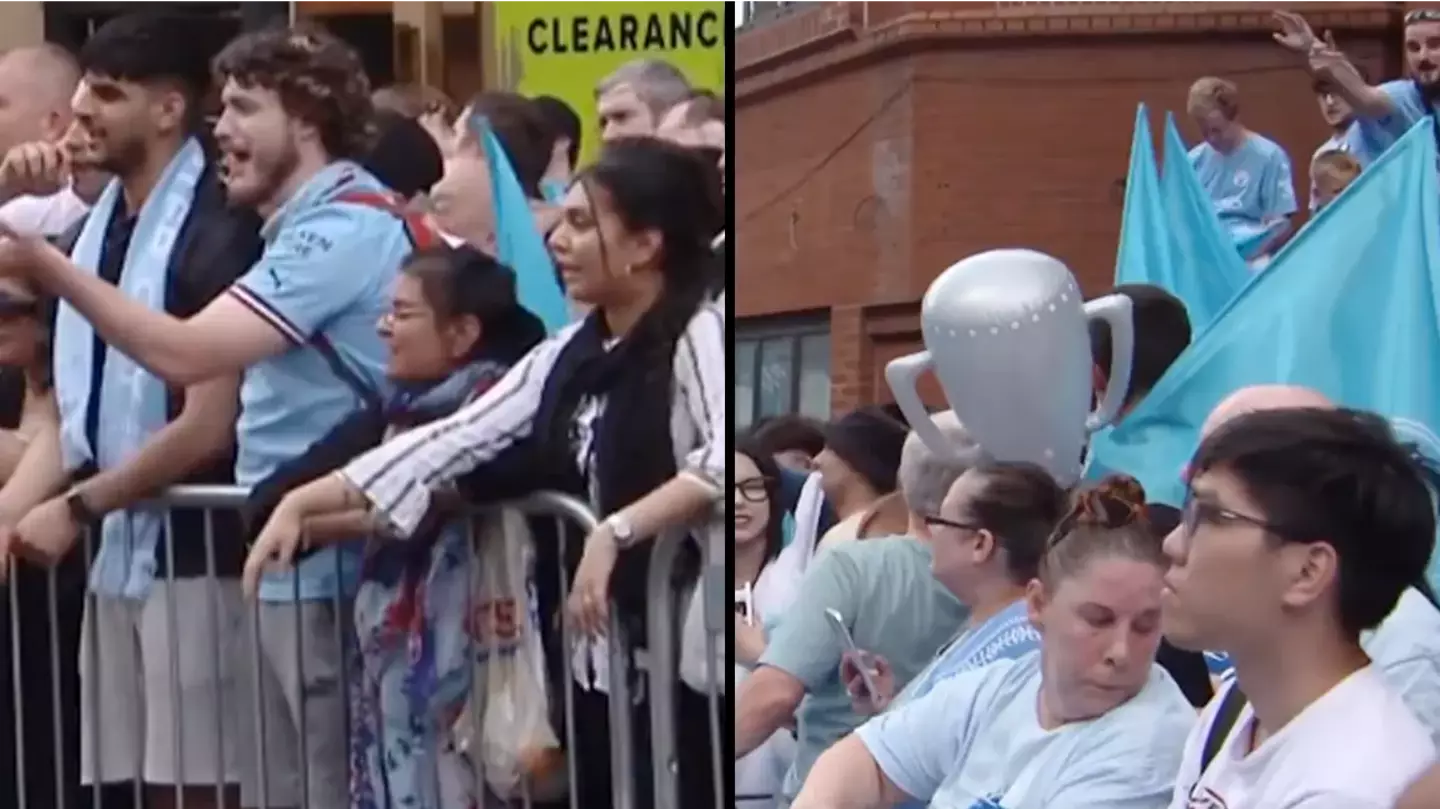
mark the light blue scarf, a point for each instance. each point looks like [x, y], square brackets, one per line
[132, 400]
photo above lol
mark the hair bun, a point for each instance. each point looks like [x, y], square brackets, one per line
[1114, 502]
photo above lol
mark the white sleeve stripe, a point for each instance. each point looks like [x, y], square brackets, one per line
[396, 477]
[688, 341]
[706, 352]
[443, 429]
[267, 313]
[479, 453]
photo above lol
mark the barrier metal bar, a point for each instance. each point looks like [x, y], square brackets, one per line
[662, 660]
[663, 657]
[22, 778]
[57, 720]
[716, 587]
[210, 499]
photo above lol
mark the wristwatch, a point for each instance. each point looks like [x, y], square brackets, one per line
[79, 511]
[621, 529]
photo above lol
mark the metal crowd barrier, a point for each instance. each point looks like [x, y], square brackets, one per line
[55, 592]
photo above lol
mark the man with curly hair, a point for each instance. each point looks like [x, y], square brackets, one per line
[300, 325]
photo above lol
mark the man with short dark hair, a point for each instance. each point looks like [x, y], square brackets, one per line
[162, 236]
[1302, 528]
[1162, 333]
[403, 156]
[564, 126]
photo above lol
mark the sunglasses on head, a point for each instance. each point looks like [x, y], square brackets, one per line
[1422, 15]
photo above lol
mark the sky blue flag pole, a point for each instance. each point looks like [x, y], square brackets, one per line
[1209, 272]
[519, 243]
[1351, 307]
[1144, 253]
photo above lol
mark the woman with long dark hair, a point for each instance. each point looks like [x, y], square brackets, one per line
[625, 409]
[762, 593]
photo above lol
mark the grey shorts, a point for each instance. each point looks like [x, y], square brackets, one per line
[295, 672]
[159, 696]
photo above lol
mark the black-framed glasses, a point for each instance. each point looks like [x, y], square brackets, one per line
[753, 490]
[934, 521]
[1195, 512]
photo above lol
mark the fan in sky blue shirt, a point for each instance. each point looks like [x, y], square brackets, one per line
[323, 282]
[1252, 187]
[1006, 635]
[975, 742]
[1407, 107]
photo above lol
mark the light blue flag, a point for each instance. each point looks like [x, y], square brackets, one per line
[519, 243]
[1251, 241]
[1351, 307]
[1144, 253]
[1209, 272]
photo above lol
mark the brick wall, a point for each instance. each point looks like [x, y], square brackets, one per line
[871, 153]
[21, 24]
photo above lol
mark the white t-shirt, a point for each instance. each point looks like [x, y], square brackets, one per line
[976, 741]
[1357, 747]
[45, 216]
[1406, 648]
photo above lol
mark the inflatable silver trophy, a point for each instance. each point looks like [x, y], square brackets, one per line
[1006, 332]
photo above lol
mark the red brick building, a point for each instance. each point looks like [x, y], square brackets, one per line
[878, 143]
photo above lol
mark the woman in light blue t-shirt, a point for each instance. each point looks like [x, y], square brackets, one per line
[986, 543]
[1088, 721]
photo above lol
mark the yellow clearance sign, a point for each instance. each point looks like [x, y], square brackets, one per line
[564, 49]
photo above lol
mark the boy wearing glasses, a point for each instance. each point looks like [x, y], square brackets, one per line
[1302, 528]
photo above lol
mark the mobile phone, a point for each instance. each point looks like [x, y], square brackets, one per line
[867, 675]
[745, 604]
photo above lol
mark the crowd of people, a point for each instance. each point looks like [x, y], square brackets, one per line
[924, 625]
[1250, 178]
[246, 268]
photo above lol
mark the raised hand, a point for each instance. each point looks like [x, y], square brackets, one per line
[1295, 34]
[38, 169]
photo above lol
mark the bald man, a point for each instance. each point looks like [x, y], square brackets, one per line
[1262, 397]
[36, 85]
[35, 88]
[1406, 647]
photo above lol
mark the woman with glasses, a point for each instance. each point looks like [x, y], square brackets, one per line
[986, 544]
[762, 592]
[758, 530]
[1089, 720]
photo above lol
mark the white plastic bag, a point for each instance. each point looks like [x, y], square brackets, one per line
[510, 695]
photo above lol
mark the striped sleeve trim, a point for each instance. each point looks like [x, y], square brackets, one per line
[397, 477]
[703, 389]
[268, 313]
